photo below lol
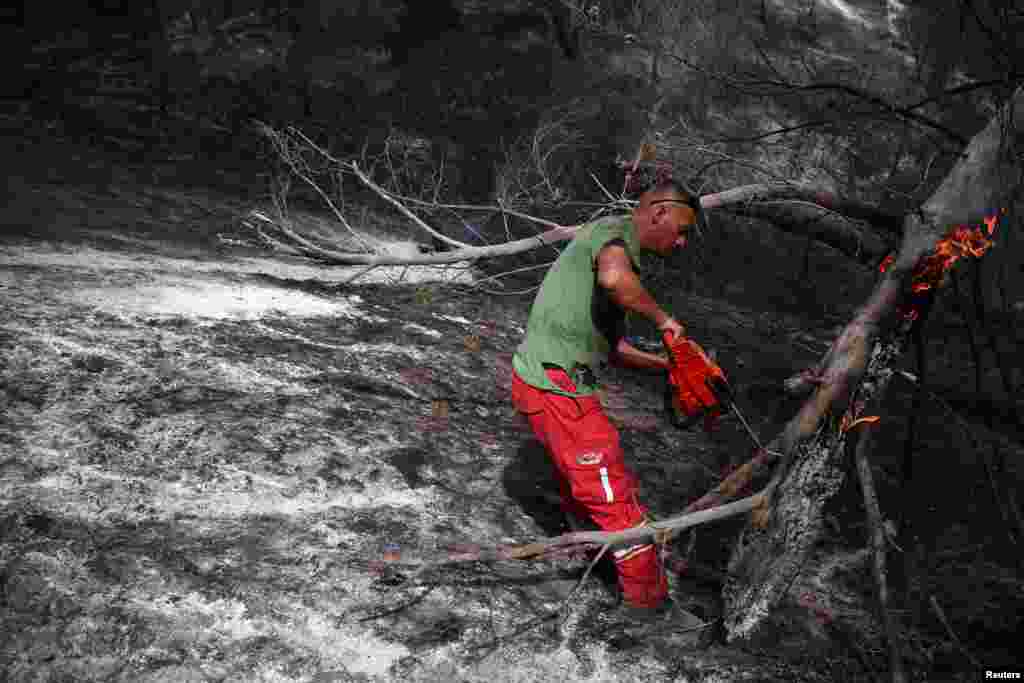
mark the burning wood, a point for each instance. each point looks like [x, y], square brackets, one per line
[849, 423]
[930, 272]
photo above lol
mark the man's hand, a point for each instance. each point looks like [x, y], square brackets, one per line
[629, 356]
[675, 327]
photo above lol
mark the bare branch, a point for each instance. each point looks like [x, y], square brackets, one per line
[404, 210]
[480, 207]
[941, 614]
[750, 194]
[582, 541]
[870, 98]
[289, 158]
[334, 257]
[878, 548]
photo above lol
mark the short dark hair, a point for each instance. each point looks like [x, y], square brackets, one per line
[670, 185]
[656, 177]
[665, 183]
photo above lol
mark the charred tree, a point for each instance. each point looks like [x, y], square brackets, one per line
[775, 567]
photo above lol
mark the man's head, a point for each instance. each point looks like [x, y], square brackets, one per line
[664, 217]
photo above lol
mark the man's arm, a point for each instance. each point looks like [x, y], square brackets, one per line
[615, 273]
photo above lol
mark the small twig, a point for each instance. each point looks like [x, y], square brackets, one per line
[400, 608]
[603, 189]
[952, 634]
[495, 643]
[512, 272]
[480, 207]
[565, 603]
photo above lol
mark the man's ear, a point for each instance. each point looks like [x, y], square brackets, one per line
[658, 213]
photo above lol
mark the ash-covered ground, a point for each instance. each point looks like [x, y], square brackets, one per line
[223, 464]
[210, 457]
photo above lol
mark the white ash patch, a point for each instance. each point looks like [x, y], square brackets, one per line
[339, 274]
[222, 499]
[48, 256]
[243, 377]
[389, 349]
[355, 648]
[517, 664]
[453, 318]
[350, 647]
[333, 535]
[226, 617]
[306, 340]
[88, 258]
[413, 327]
[211, 300]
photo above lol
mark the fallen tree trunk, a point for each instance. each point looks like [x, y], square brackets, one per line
[858, 229]
[771, 566]
[793, 214]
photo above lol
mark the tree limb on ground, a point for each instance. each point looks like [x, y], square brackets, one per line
[886, 223]
[333, 257]
[766, 563]
[858, 229]
[583, 541]
[790, 210]
[878, 549]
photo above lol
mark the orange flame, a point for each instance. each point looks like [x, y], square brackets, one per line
[847, 426]
[959, 242]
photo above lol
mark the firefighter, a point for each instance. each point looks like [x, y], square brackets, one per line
[576, 320]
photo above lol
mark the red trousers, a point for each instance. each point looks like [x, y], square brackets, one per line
[594, 480]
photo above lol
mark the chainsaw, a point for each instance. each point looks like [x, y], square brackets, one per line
[697, 388]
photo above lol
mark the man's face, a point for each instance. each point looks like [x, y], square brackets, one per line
[671, 220]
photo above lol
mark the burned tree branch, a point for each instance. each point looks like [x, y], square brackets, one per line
[886, 223]
[860, 230]
[404, 210]
[820, 224]
[581, 541]
[767, 562]
[336, 257]
[878, 549]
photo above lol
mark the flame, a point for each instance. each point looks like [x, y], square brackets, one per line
[958, 243]
[867, 420]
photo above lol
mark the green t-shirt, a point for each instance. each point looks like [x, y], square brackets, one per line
[573, 321]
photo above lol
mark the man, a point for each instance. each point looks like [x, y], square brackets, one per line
[578, 317]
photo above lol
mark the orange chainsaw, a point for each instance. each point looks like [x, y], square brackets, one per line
[697, 388]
